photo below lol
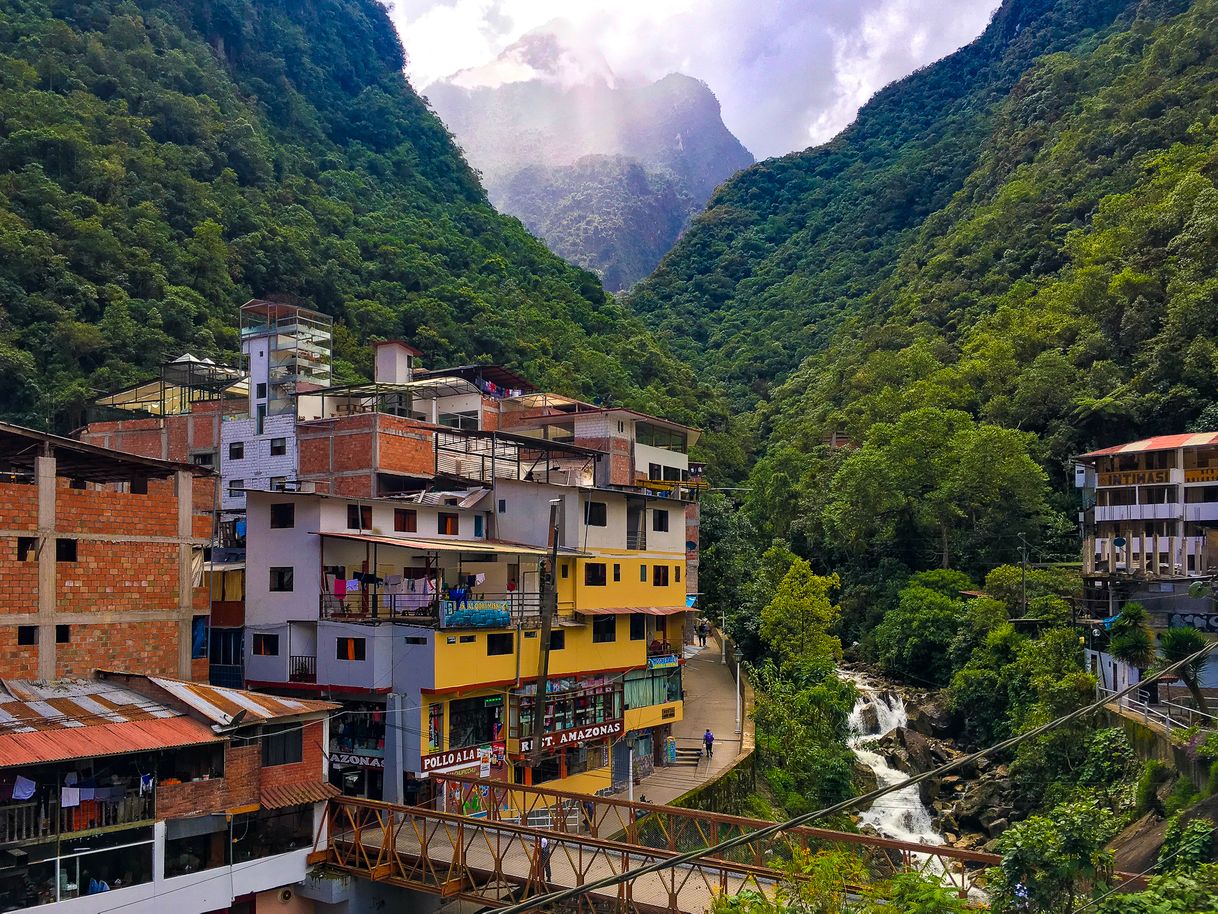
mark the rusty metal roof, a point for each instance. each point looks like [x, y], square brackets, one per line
[221, 705]
[1157, 443]
[53, 721]
[297, 794]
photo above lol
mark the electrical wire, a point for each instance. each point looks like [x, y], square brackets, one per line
[1158, 863]
[681, 859]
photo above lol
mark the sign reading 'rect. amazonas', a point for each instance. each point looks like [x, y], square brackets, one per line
[606, 730]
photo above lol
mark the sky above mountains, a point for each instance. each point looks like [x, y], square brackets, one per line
[788, 73]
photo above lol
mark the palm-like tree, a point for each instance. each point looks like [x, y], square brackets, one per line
[1175, 644]
[1131, 641]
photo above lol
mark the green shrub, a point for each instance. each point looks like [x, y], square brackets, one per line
[1182, 794]
[1213, 784]
[1154, 774]
[1186, 845]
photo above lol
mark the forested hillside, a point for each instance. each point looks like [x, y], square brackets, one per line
[162, 162]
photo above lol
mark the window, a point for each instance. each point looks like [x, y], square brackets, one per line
[596, 514]
[415, 639]
[643, 573]
[282, 579]
[477, 525]
[63, 634]
[279, 483]
[260, 392]
[621, 428]
[676, 572]
[351, 648]
[198, 638]
[282, 745]
[474, 721]
[566, 570]
[405, 520]
[604, 628]
[76, 484]
[659, 575]
[139, 485]
[203, 459]
[558, 640]
[260, 419]
[236, 487]
[468, 639]
[279, 447]
[448, 524]
[27, 634]
[594, 574]
[25, 546]
[502, 505]
[617, 572]
[499, 643]
[65, 550]
[655, 471]
[266, 645]
[283, 515]
[659, 521]
[359, 517]
[236, 450]
[638, 627]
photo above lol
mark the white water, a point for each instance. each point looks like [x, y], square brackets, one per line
[900, 815]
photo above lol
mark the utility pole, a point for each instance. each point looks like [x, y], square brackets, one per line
[739, 717]
[1023, 576]
[549, 609]
[723, 634]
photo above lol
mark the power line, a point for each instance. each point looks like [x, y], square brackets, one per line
[749, 837]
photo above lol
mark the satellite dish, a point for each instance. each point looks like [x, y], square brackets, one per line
[1119, 542]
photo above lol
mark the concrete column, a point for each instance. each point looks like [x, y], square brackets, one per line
[184, 484]
[44, 474]
[396, 722]
[159, 830]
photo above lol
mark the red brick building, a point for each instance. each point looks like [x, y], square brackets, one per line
[101, 558]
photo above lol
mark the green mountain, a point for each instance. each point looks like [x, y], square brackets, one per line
[1026, 232]
[161, 161]
[608, 214]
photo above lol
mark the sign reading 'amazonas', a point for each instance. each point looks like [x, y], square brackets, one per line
[606, 730]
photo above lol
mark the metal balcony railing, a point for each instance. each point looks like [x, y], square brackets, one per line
[427, 610]
[302, 668]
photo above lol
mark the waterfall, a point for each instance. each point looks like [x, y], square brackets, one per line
[902, 814]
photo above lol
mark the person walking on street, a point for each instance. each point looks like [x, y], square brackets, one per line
[708, 740]
[703, 631]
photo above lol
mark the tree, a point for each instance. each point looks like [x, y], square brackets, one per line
[796, 622]
[1058, 858]
[940, 488]
[1177, 892]
[914, 640]
[1175, 645]
[1131, 640]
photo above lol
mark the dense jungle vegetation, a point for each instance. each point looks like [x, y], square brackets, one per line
[162, 162]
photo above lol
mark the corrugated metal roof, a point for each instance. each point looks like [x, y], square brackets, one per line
[297, 794]
[102, 739]
[28, 707]
[1157, 443]
[222, 705]
[468, 546]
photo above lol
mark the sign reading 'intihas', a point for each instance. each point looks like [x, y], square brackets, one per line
[1135, 478]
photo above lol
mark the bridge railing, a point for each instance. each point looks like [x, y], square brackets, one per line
[495, 862]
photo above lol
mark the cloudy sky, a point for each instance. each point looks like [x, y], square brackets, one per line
[789, 73]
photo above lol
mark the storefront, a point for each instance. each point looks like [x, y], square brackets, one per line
[357, 750]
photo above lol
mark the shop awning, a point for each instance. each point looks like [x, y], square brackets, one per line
[488, 547]
[630, 610]
[284, 795]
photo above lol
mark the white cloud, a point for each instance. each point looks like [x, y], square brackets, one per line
[789, 73]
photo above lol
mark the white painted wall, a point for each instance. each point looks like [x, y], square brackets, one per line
[645, 454]
[297, 547]
[375, 671]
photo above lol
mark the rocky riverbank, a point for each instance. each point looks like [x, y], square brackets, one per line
[969, 808]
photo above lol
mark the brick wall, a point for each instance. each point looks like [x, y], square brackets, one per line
[118, 577]
[149, 647]
[238, 787]
[18, 507]
[18, 661]
[309, 769]
[18, 580]
[103, 511]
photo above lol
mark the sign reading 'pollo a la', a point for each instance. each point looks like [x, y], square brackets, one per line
[438, 760]
[606, 730]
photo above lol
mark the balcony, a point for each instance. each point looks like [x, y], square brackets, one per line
[1166, 511]
[637, 541]
[36, 821]
[302, 668]
[487, 610]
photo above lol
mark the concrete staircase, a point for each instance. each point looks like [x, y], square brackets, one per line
[688, 756]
